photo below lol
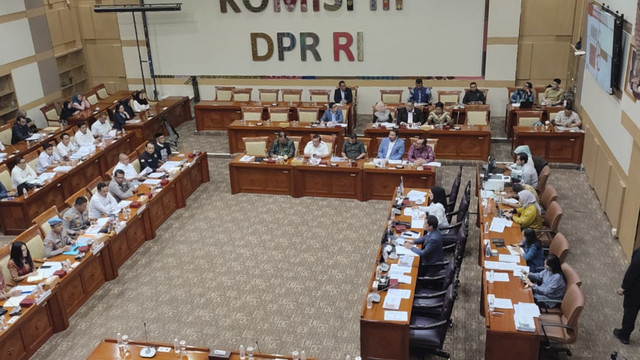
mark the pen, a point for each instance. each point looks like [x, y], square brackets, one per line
[497, 313]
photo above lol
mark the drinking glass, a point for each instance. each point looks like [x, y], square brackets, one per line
[250, 352]
[295, 355]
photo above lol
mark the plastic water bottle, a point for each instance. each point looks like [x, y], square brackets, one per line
[491, 276]
[241, 352]
[176, 346]
[25, 193]
[303, 355]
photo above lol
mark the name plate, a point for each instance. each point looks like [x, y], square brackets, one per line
[45, 295]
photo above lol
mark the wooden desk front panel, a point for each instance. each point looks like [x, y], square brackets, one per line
[380, 184]
[261, 178]
[108, 350]
[128, 241]
[162, 205]
[217, 117]
[23, 339]
[554, 146]
[79, 284]
[337, 182]
[384, 340]
[462, 144]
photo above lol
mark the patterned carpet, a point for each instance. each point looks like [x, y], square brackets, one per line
[291, 273]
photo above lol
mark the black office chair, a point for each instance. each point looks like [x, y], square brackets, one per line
[432, 306]
[427, 334]
[452, 197]
[462, 220]
[466, 197]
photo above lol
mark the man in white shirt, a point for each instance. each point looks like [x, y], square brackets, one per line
[130, 173]
[47, 158]
[529, 174]
[567, 118]
[102, 203]
[22, 173]
[84, 137]
[66, 147]
[101, 127]
[316, 148]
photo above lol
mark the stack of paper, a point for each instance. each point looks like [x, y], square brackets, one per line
[529, 309]
[44, 177]
[434, 164]
[170, 165]
[500, 303]
[151, 182]
[498, 265]
[34, 137]
[414, 195]
[498, 224]
[48, 268]
[499, 276]
[246, 158]
[401, 250]
[524, 322]
[62, 169]
[396, 270]
[391, 302]
[155, 175]
[401, 293]
[509, 258]
[520, 270]
[396, 316]
[14, 301]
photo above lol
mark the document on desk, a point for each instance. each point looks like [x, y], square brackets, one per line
[499, 276]
[510, 201]
[411, 234]
[509, 258]
[401, 250]
[405, 279]
[391, 302]
[34, 137]
[14, 301]
[170, 165]
[123, 204]
[406, 260]
[414, 195]
[413, 212]
[513, 250]
[401, 293]
[503, 303]
[529, 309]
[417, 223]
[396, 316]
[151, 182]
[498, 265]
[520, 270]
[25, 289]
[524, 322]
[434, 164]
[95, 228]
[84, 239]
[155, 175]
[246, 158]
[45, 176]
[395, 268]
[62, 169]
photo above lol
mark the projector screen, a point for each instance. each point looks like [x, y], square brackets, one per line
[603, 59]
[424, 38]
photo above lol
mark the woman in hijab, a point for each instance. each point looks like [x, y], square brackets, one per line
[80, 102]
[67, 112]
[382, 114]
[140, 102]
[437, 207]
[528, 214]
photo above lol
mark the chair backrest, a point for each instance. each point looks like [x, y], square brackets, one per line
[330, 140]
[32, 158]
[484, 91]
[391, 96]
[552, 216]
[5, 177]
[268, 95]
[511, 90]
[256, 146]
[33, 239]
[296, 143]
[42, 220]
[553, 111]
[101, 91]
[92, 187]
[570, 275]
[251, 113]
[477, 114]
[224, 93]
[308, 114]
[548, 196]
[92, 98]
[278, 114]
[5, 255]
[449, 97]
[528, 118]
[539, 91]
[433, 143]
[319, 95]
[455, 189]
[6, 132]
[136, 164]
[542, 179]
[559, 246]
[462, 210]
[242, 94]
[71, 201]
[141, 149]
[291, 95]
[572, 305]
[50, 113]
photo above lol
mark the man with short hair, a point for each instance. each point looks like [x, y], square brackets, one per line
[343, 95]
[102, 202]
[283, 146]
[332, 114]
[529, 174]
[439, 116]
[20, 130]
[473, 96]
[523, 95]
[420, 94]
[101, 127]
[149, 159]
[421, 153]
[353, 148]
[410, 114]
[66, 147]
[47, 158]
[57, 241]
[163, 149]
[130, 173]
[553, 94]
[22, 174]
[119, 187]
[84, 137]
[567, 117]
[392, 147]
[316, 148]
[431, 252]
[76, 220]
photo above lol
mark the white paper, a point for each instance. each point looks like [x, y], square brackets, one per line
[123, 204]
[145, 171]
[337, 159]
[408, 211]
[496, 227]
[520, 270]
[401, 250]
[85, 239]
[530, 309]
[62, 169]
[406, 260]
[499, 276]
[170, 165]
[524, 322]
[399, 268]
[401, 293]
[155, 175]
[151, 182]
[14, 301]
[396, 316]
[509, 258]
[486, 194]
[45, 176]
[391, 302]
[34, 137]
[434, 164]
[510, 201]
[95, 228]
[417, 223]
[25, 289]
[513, 250]
[246, 158]
[53, 266]
[411, 235]
[502, 303]
[497, 265]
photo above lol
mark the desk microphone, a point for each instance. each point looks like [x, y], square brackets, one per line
[458, 118]
[147, 351]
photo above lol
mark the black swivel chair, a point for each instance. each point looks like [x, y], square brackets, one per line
[427, 334]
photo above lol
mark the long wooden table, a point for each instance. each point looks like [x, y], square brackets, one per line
[107, 105]
[340, 181]
[511, 116]
[175, 109]
[458, 114]
[239, 129]
[553, 145]
[23, 148]
[467, 143]
[503, 341]
[39, 322]
[218, 115]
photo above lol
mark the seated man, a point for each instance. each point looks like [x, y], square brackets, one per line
[473, 96]
[120, 188]
[84, 137]
[163, 149]
[567, 117]
[529, 174]
[149, 159]
[57, 241]
[353, 148]
[316, 148]
[343, 94]
[421, 153]
[431, 252]
[101, 127]
[553, 95]
[283, 146]
[332, 114]
[102, 203]
[22, 175]
[47, 159]
[130, 173]
[391, 148]
[410, 115]
[66, 147]
[525, 94]
[439, 116]
[76, 220]
[420, 94]
[20, 130]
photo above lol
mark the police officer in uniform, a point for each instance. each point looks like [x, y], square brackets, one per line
[149, 159]
[76, 219]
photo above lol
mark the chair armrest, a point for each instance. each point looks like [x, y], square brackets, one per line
[431, 278]
[451, 213]
[454, 226]
[543, 324]
[450, 246]
[429, 306]
[436, 294]
[430, 326]
[439, 263]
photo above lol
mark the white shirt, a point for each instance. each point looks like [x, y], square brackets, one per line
[45, 160]
[19, 176]
[322, 150]
[390, 149]
[84, 139]
[529, 174]
[99, 205]
[409, 117]
[65, 150]
[437, 210]
[101, 129]
[137, 107]
[129, 171]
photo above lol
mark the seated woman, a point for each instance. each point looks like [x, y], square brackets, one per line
[20, 264]
[382, 114]
[80, 102]
[67, 112]
[120, 117]
[437, 207]
[548, 284]
[140, 102]
[528, 214]
[532, 250]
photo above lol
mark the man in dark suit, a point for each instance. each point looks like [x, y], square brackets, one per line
[20, 130]
[431, 252]
[631, 290]
[343, 94]
[409, 114]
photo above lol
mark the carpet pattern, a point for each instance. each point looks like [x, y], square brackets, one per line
[291, 273]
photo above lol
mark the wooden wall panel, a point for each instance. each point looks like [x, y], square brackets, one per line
[549, 60]
[589, 154]
[547, 17]
[103, 59]
[631, 206]
[615, 199]
[602, 175]
[523, 69]
[63, 26]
